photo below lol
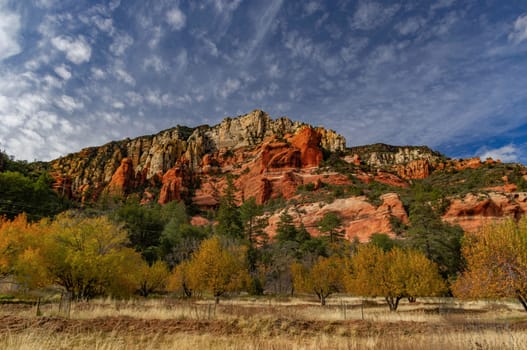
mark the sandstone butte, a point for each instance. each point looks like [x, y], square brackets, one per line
[270, 159]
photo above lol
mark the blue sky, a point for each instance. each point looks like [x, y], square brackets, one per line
[449, 74]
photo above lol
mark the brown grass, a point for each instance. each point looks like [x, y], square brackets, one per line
[243, 323]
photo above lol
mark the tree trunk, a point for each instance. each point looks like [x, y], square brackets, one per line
[412, 299]
[393, 302]
[522, 297]
[216, 299]
[322, 300]
[187, 291]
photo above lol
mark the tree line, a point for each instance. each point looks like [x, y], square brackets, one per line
[131, 248]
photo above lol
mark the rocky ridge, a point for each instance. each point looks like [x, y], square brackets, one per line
[272, 159]
[122, 167]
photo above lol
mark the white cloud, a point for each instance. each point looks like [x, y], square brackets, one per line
[230, 86]
[263, 24]
[507, 153]
[299, 46]
[114, 4]
[63, 72]
[176, 19]
[274, 71]
[121, 43]
[121, 74]
[370, 15]
[77, 50]
[9, 32]
[159, 99]
[104, 24]
[68, 103]
[519, 33]
[226, 5]
[410, 26]
[352, 49]
[155, 37]
[446, 23]
[118, 105]
[442, 4]
[45, 3]
[155, 63]
[210, 46]
[312, 7]
[98, 73]
[134, 98]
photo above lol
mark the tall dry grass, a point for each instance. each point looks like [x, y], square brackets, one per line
[259, 323]
[474, 340]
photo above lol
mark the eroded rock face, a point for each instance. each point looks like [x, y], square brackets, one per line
[205, 149]
[415, 169]
[123, 180]
[360, 218]
[389, 179]
[475, 210]
[381, 155]
[307, 141]
[471, 163]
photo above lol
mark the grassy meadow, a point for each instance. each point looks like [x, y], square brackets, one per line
[264, 323]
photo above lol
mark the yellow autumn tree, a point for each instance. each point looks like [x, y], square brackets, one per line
[394, 275]
[324, 278]
[218, 269]
[151, 278]
[89, 256]
[496, 262]
[180, 280]
[85, 256]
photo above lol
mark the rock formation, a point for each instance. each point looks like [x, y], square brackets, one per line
[281, 159]
[151, 157]
[360, 218]
[474, 210]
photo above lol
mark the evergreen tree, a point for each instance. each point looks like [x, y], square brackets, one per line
[253, 223]
[439, 241]
[330, 225]
[229, 220]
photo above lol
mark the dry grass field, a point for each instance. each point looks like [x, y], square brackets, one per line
[261, 323]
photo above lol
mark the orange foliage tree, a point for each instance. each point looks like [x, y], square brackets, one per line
[395, 274]
[19, 242]
[496, 262]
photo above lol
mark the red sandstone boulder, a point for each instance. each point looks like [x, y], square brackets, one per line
[123, 180]
[174, 182]
[307, 140]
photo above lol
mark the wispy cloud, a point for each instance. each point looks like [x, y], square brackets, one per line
[447, 73]
[230, 86]
[63, 72]
[176, 18]
[507, 153]
[410, 25]
[9, 31]
[77, 50]
[370, 15]
[121, 43]
[519, 32]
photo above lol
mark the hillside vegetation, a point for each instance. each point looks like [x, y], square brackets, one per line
[261, 206]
